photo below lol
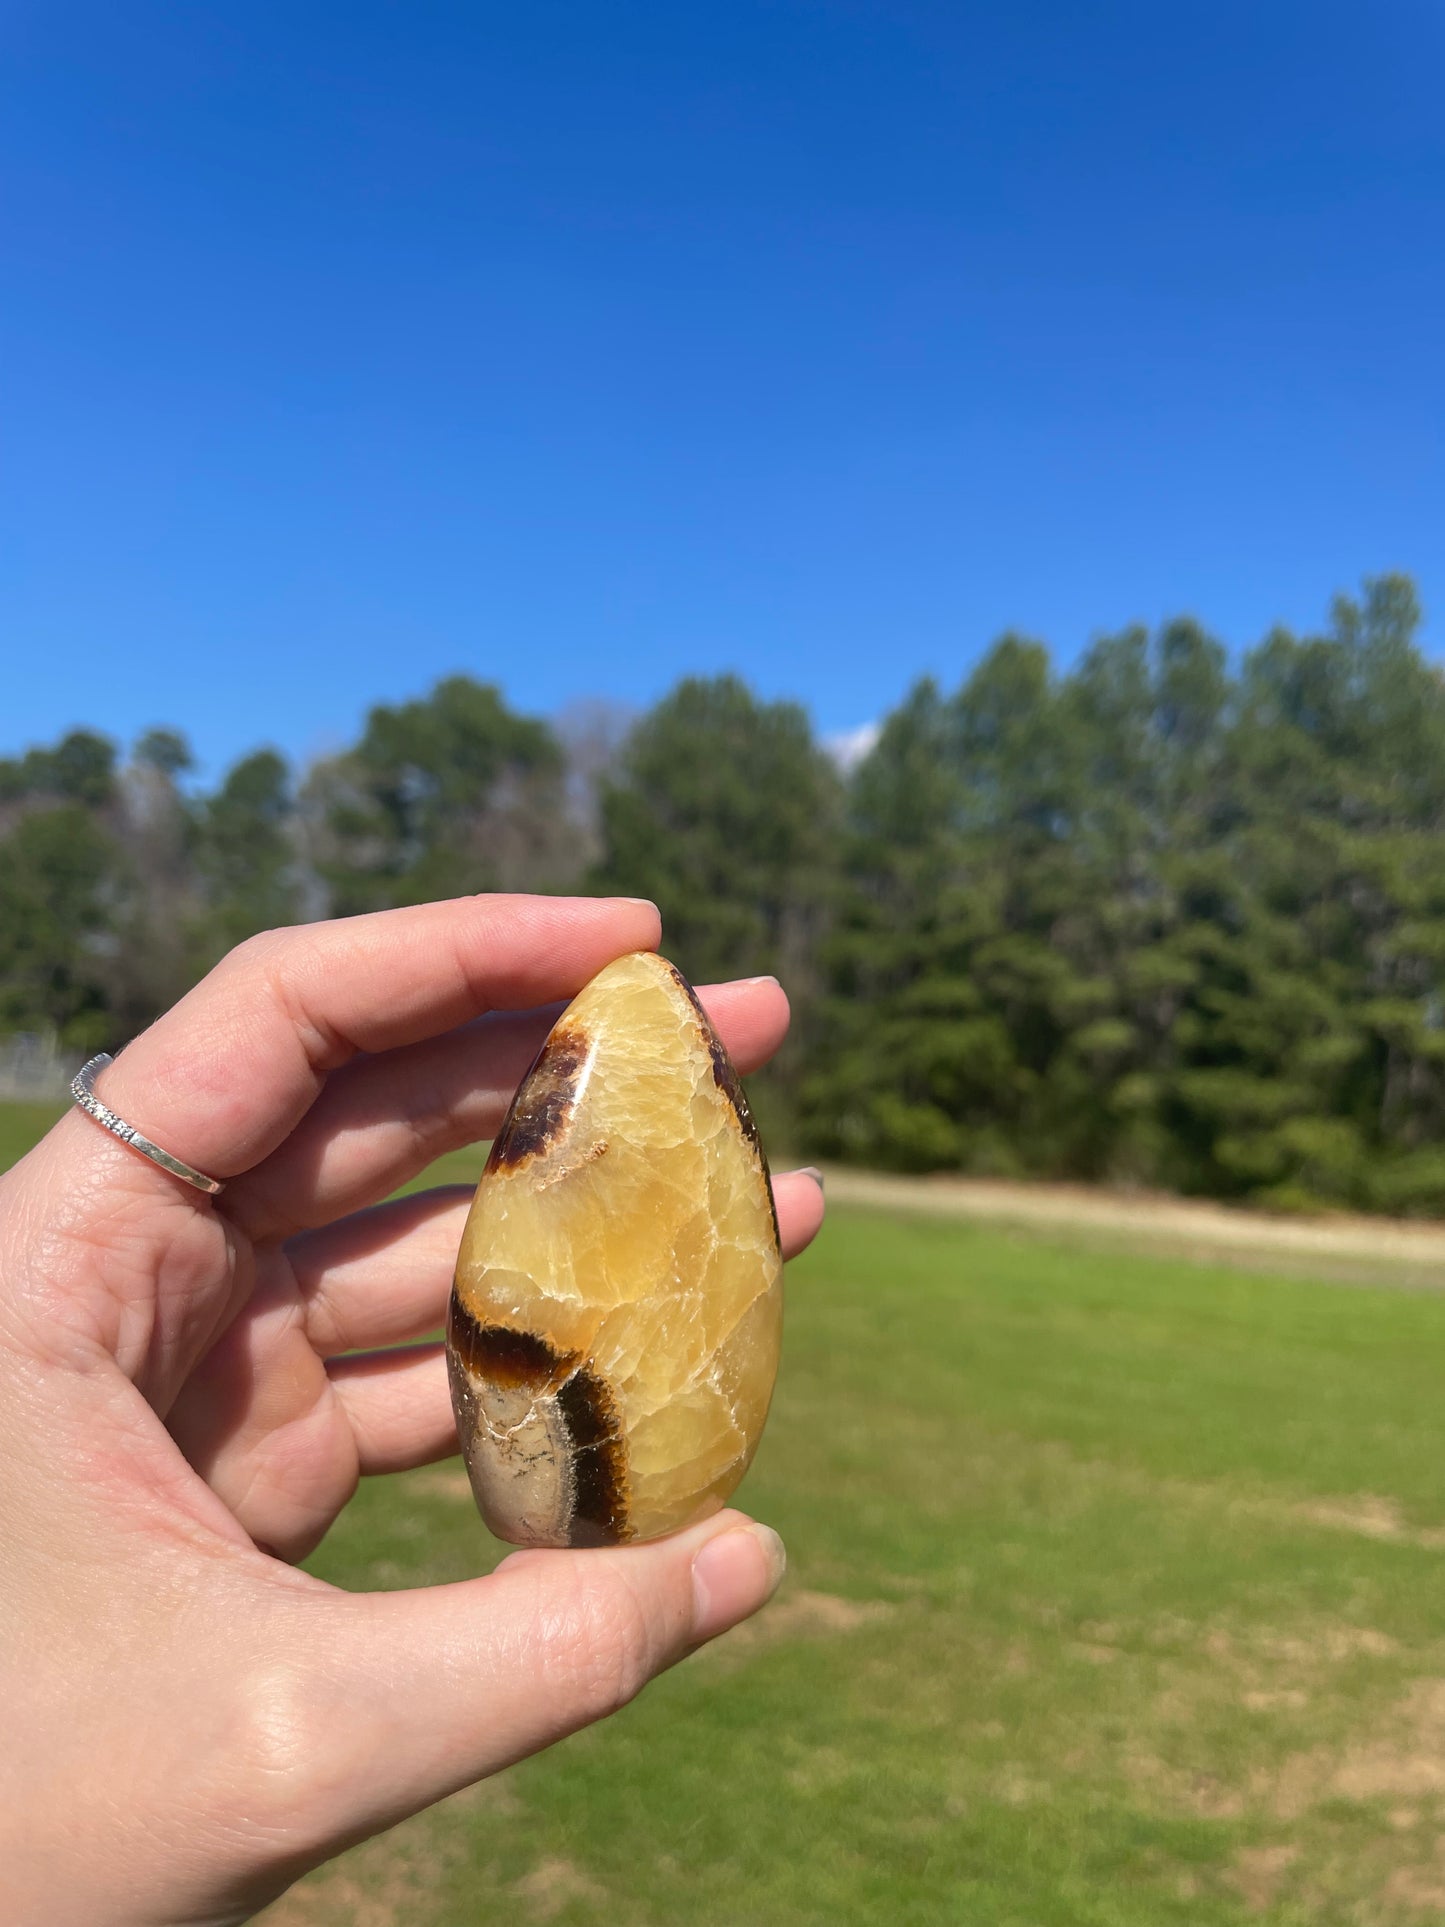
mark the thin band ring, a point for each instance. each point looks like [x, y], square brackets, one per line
[82, 1089]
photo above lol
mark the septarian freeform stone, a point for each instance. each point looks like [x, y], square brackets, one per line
[613, 1332]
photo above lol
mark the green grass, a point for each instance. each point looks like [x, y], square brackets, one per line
[1117, 1599]
[20, 1126]
[1114, 1584]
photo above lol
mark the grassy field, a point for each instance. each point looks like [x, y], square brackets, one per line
[20, 1126]
[1116, 1600]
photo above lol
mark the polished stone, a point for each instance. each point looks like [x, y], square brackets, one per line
[614, 1328]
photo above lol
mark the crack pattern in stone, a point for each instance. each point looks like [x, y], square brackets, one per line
[615, 1322]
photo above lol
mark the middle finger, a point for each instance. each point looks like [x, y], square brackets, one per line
[384, 1118]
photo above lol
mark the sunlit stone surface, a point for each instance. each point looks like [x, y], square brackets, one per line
[613, 1333]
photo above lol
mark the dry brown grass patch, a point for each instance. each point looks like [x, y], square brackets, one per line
[1257, 1874]
[390, 1881]
[803, 1614]
[553, 1885]
[442, 1482]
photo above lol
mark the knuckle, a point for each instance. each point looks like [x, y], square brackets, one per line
[277, 1750]
[282, 968]
[610, 1646]
[286, 1774]
[255, 955]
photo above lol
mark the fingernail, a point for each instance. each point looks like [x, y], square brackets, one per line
[769, 979]
[643, 903]
[812, 1171]
[733, 1575]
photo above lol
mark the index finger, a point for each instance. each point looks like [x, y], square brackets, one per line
[225, 1076]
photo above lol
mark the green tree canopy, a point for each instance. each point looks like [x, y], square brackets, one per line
[57, 877]
[723, 811]
[1157, 918]
[245, 855]
[81, 768]
[445, 795]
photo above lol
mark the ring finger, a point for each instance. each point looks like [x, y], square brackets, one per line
[381, 1277]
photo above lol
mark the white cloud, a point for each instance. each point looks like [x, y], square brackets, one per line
[850, 746]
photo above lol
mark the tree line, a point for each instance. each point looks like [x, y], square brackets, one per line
[1157, 919]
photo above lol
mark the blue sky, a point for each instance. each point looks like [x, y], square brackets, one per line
[584, 346]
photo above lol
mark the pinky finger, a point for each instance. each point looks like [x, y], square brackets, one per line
[798, 1196]
[399, 1406]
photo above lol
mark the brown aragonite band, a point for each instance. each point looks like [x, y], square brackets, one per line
[567, 1414]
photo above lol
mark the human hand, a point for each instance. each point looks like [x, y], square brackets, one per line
[190, 1722]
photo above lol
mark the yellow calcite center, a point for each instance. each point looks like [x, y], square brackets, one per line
[615, 1325]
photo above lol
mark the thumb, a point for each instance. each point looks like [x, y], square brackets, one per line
[435, 1688]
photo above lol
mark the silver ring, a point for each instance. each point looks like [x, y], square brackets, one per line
[82, 1089]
